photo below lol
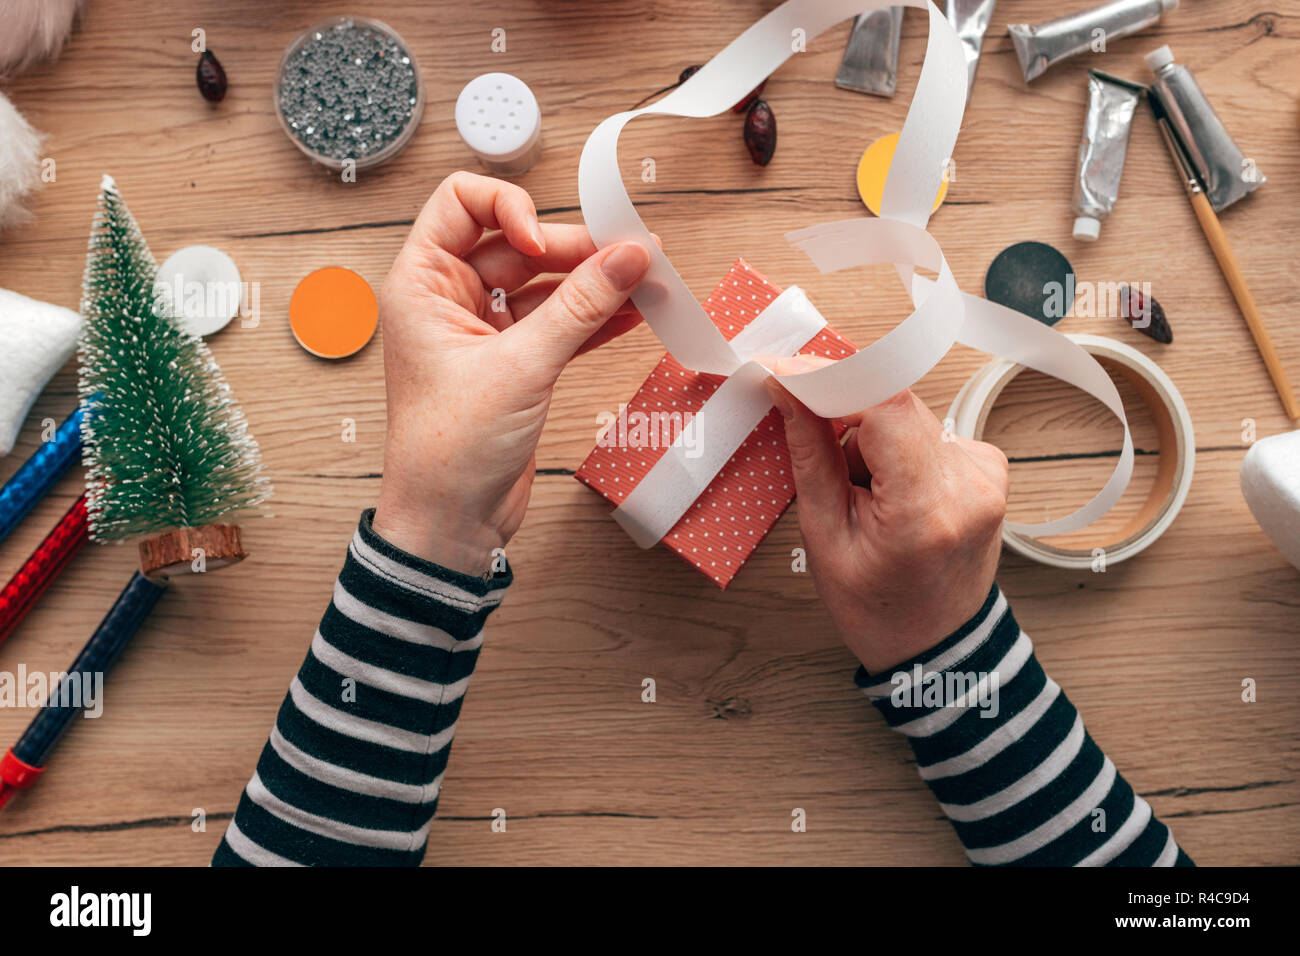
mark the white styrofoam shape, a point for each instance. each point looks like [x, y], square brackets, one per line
[1270, 483]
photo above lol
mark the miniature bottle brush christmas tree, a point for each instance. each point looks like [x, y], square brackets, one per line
[167, 450]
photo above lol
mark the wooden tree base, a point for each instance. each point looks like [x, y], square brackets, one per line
[191, 550]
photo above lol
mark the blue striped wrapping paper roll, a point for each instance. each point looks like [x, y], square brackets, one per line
[39, 473]
[101, 652]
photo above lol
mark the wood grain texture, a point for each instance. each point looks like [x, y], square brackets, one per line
[1221, 246]
[755, 711]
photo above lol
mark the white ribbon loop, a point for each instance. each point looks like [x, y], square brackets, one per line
[902, 356]
[942, 316]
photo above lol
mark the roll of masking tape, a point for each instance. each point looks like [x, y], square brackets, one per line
[970, 411]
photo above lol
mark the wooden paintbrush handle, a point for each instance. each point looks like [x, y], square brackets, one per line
[1245, 301]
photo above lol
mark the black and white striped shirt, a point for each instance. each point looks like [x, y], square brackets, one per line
[1021, 780]
[355, 761]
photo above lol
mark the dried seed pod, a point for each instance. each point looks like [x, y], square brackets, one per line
[748, 101]
[760, 132]
[210, 77]
[1143, 312]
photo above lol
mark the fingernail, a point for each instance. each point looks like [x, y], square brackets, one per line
[781, 399]
[625, 265]
[535, 233]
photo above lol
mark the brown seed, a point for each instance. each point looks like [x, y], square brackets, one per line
[210, 77]
[1143, 312]
[687, 73]
[760, 132]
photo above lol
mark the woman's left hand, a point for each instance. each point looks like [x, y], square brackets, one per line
[473, 344]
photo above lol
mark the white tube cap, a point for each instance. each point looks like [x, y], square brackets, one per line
[1158, 58]
[498, 117]
[1087, 229]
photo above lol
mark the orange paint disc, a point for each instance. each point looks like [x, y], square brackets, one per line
[333, 312]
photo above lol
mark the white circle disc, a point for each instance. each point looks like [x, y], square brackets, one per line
[205, 287]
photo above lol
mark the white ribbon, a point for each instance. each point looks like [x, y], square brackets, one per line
[723, 423]
[943, 314]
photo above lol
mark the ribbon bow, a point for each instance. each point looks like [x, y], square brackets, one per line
[942, 316]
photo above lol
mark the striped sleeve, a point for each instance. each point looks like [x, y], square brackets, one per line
[354, 765]
[1007, 755]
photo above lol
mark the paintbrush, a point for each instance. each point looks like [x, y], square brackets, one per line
[1197, 193]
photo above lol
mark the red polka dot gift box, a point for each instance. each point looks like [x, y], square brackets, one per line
[721, 529]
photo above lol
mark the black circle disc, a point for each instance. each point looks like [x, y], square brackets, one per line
[1033, 278]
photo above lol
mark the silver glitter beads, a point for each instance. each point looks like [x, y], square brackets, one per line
[348, 88]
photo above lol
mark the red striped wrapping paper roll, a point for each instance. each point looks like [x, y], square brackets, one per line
[39, 571]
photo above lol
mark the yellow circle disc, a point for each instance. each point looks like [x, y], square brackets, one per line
[873, 168]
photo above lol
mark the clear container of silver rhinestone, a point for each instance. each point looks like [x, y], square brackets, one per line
[348, 88]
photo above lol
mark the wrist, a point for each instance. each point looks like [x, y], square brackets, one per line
[448, 540]
[885, 653]
[919, 640]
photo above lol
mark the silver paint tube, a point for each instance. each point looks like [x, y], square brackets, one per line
[970, 18]
[1049, 43]
[1224, 173]
[870, 63]
[1111, 105]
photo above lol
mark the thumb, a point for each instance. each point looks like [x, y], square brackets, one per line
[582, 303]
[821, 473]
[901, 443]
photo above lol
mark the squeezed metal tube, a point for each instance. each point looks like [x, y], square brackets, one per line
[1224, 173]
[1111, 105]
[970, 18]
[1039, 47]
[870, 63]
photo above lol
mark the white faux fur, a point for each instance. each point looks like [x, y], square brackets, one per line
[20, 159]
[33, 30]
[38, 339]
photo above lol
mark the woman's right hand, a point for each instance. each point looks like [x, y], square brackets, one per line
[902, 521]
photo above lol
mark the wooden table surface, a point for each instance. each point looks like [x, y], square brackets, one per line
[756, 713]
